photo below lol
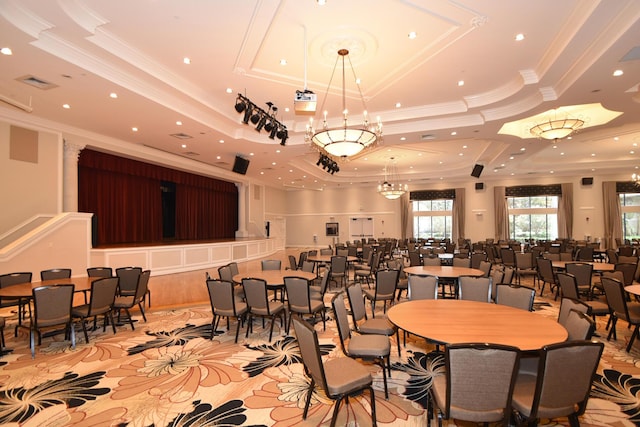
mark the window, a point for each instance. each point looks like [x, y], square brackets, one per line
[630, 207]
[432, 218]
[533, 217]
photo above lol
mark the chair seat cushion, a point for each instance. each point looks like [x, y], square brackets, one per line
[377, 325]
[369, 346]
[344, 374]
[598, 308]
[241, 308]
[439, 386]
[316, 305]
[371, 295]
[274, 308]
[523, 399]
[80, 311]
[123, 302]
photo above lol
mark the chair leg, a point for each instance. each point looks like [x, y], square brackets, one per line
[32, 343]
[142, 311]
[312, 385]
[633, 337]
[374, 421]
[398, 341]
[612, 331]
[237, 328]
[336, 408]
[84, 329]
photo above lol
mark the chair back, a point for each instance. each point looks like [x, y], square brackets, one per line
[612, 256]
[461, 262]
[508, 274]
[129, 277]
[616, 297]
[356, 302]
[584, 254]
[342, 252]
[431, 260]
[255, 293]
[298, 295]
[342, 320]
[307, 339]
[222, 297]
[565, 375]
[142, 286]
[507, 256]
[234, 268]
[628, 270]
[477, 258]
[545, 270]
[52, 305]
[516, 296]
[623, 258]
[625, 251]
[524, 260]
[566, 256]
[414, 259]
[308, 266]
[103, 294]
[338, 264]
[55, 273]
[271, 264]
[224, 272]
[568, 304]
[422, 287]
[293, 264]
[386, 284]
[326, 251]
[14, 279]
[568, 285]
[582, 271]
[301, 259]
[496, 275]
[489, 367]
[99, 272]
[579, 326]
[485, 267]
[474, 288]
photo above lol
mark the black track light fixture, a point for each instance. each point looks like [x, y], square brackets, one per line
[262, 119]
[328, 164]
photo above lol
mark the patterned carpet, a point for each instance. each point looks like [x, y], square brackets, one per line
[169, 373]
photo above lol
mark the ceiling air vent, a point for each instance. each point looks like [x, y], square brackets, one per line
[428, 137]
[36, 82]
[181, 135]
[191, 153]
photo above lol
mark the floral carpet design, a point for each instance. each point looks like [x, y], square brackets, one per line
[168, 372]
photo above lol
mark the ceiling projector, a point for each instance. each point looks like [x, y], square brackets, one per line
[305, 102]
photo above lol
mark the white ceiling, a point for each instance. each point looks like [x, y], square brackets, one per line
[90, 48]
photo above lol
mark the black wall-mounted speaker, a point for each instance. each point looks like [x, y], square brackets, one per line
[477, 170]
[587, 181]
[240, 165]
[479, 185]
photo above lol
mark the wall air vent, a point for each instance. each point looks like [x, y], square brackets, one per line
[36, 82]
[181, 135]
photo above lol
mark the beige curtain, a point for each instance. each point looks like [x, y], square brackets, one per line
[502, 213]
[565, 212]
[406, 226]
[612, 214]
[457, 225]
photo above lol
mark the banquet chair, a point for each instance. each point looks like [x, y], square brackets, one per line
[55, 273]
[385, 289]
[546, 275]
[579, 326]
[369, 272]
[474, 288]
[525, 266]
[11, 279]
[224, 303]
[339, 378]
[271, 264]
[127, 302]
[318, 291]
[461, 262]
[612, 256]
[496, 275]
[477, 258]
[308, 266]
[364, 325]
[3, 350]
[561, 385]
[584, 254]
[224, 272]
[300, 302]
[568, 304]
[301, 258]
[516, 296]
[471, 367]
[403, 281]
[508, 273]
[338, 270]
[414, 259]
[293, 264]
[326, 251]
[422, 287]
[627, 271]
[99, 272]
[620, 308]
[569, 289]
[508, 257]
[129, 278]
[103, 295]
[485, 267]
[583, 273]
[431, 260]
[51, 309]
[255, 292]
[376, 348]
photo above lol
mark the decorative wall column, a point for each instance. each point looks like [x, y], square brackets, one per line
[242, 210]
[70, 176]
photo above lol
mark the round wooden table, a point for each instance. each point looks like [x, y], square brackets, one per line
[449, 321]
[443, 271]
[24, 290]
[326, 259]
[274, 278]
[597, 266]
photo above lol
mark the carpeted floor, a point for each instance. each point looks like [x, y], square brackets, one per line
[169, 373]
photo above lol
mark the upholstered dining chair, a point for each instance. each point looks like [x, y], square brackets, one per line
[497, 276]
[431, 260]
[293, 264]
[11, 279]
[224, 272]
[525, 266]
[318, 291]
[259, 305]
[129, 278]
[474, 288]
[471, 367]
[271, 264]
[339, 378]
[385, 289]
[376, 348]
[369, 272]
[300, 302]
[3, 350]
[103, 295]
[361, 323]
[100, 272]
[546, 275]
[568, 304]
[569, 289]
[620, 308]
[516, 296]
[561, 385]
[51, 309]
[579, 326]
[583, 273]
[338, 270]
[127, 302]
[55, 273]
[422, 287]
[224, 303]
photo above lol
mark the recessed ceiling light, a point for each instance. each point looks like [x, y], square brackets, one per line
[618, 73]
[113, 95]
[179, 123]
[67, 106]
[413, 35]
[283, 62]
[261, 172]
[277, 151]
[464, 146]
[186, 60]
[218, 157]
[221, 141]
[321, 2]
[398, 105]
[632, 152]
[251, 154]
[454, 133]
[134, 129]
[460, 82]
[402, 138]
[273, 163]
[460, 154]
[184, 145]
[286, 109]
[6, 51]
[550, 171]
[290, 170]
[562, 153]
[593, 154]
[615, 138]
[229, 90]
[523, 149]
[554, 147]
[519, 37]
[511, 158]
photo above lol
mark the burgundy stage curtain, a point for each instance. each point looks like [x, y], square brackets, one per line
[126, 199]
